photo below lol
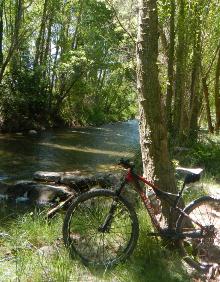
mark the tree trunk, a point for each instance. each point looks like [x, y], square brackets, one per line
[179, 101]
[18, 19]
[171, 51]
[45, 55]
[195, 97]
[1, 33]
[76, 32]
[15, 60]
[5, 63]
[217, 94]
[40, 39]
[207, 104]
[153, 125]
[15, 38]
[52, 81]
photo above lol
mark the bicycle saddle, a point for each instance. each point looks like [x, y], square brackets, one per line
[192, 174]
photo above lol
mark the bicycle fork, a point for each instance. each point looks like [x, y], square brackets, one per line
[105, 227]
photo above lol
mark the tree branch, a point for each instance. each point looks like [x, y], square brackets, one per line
[119, 21]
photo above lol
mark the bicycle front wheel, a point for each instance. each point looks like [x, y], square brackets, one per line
[95, 235]
[203, 251]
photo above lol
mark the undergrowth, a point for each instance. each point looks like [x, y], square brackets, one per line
[205, 154]
[31, 249]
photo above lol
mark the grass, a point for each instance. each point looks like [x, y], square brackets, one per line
[25, 234]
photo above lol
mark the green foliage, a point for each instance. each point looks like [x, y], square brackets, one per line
[205, 154]
[21, 108]
[64, 66]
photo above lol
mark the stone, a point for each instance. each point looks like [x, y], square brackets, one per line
[32, 132]
[19, 189]
[47, 193]
[4, 188]
[108, 179]
[78, 182]
[47, 176]
[61, 185]
[3, 198]
[46, 251]
[24, 191]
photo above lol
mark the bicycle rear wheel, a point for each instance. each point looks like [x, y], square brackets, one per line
[202, 253]
[83, 233]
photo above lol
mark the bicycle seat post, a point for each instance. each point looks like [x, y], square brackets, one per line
[180, 194]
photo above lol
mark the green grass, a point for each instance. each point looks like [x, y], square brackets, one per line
[27, 231]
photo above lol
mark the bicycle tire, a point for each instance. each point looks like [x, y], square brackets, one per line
[202, 254]
[92, 221]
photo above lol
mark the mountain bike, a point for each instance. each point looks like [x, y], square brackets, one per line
[101, 226]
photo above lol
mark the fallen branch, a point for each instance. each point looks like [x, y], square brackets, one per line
[54, 210]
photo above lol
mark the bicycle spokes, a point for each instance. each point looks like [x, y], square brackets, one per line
[99, 232]
[205, 247]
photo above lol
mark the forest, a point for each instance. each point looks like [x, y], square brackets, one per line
[73, 63]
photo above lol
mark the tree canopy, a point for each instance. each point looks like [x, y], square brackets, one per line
[63, 62]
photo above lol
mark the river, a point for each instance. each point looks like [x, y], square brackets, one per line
[86, 149]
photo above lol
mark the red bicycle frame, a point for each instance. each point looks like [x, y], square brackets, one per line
[133, 178]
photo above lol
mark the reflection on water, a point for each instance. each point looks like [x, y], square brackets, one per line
[95, 148]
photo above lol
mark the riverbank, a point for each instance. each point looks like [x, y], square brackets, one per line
[58, 125]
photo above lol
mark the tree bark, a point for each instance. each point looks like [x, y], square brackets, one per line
[152, 125]
[207, 104]
[15, 38]
[40, 39]
[18, 19]
[76, 32]
[180, 120]
[15, 60]
[1, 33]
[217, 95]
[171, 52]
[195, 97]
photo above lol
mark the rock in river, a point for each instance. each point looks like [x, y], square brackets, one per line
[47, 176]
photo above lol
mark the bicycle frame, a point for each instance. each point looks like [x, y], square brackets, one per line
[133, 178]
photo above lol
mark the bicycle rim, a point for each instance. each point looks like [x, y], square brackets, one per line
[82, 229]
[202, 253]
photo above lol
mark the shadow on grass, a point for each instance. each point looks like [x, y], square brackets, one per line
[150, 262]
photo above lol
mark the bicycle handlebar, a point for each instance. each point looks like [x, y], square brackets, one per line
[126, 163]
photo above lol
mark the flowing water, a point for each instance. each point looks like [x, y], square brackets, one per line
[86, 149]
